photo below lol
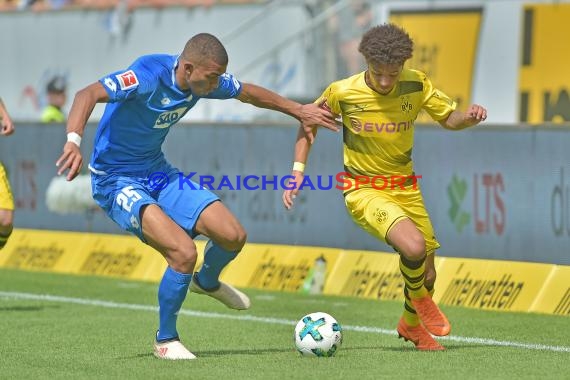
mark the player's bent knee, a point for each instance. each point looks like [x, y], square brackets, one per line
[241, 238]
[184, 264]
[6, 219]
[6, 227]
[235, 240]
[414, 249]
[183, 258]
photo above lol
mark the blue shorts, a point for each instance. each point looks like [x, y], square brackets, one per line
[123, 197]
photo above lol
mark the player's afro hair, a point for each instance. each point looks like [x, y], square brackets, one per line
[386, 44]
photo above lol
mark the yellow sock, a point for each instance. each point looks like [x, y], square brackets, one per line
[413, 273]
[409, 314]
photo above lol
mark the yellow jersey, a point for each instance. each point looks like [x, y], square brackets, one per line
[378, 130]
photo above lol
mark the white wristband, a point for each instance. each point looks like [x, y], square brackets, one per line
[74, 138]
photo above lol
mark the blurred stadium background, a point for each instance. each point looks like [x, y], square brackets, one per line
[498, 195]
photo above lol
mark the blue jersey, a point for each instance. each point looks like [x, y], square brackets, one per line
[144, 103]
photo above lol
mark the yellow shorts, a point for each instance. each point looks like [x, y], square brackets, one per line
[376, 211]
[6, 198]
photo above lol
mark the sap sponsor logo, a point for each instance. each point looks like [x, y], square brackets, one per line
[166, 119]
[489, 294]
[560, 207]
[374, 127]
[367, 283]
[102, 262]
[280, 276]
[127, 80]
[25, 256]
[111, 85]
[563, 307]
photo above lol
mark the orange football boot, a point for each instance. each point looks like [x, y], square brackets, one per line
[432, 318]
[419, 336]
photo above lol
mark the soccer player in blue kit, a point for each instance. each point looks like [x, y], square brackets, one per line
[144, 101]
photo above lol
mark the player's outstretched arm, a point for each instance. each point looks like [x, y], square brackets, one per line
[6, 124]
[310, 115]
[82, 107]
[460, 120]
[302, 150]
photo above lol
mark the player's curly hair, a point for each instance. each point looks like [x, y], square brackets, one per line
[386, 44]
[205, 45]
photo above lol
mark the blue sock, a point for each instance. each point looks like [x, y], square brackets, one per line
[215, 259]
[171, 293]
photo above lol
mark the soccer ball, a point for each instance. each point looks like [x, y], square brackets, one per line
[318, 334]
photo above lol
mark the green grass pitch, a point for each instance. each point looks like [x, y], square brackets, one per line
[61, 326]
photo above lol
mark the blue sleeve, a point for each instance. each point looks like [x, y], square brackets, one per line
[128, 84]
[228, 87]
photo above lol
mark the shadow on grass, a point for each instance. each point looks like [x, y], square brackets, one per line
[27, 308]
[214, 353]
[448, 347]
[251, 351]
[262, 351]
[265, 351]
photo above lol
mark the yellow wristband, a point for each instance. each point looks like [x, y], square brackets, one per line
[299, 166]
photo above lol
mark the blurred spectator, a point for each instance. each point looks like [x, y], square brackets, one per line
[44, 5]
[8, 5]
[170, 3]
[351, 23]
[56, 97]
[49, 5]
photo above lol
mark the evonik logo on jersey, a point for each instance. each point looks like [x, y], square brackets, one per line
[370, 126]
[166, 119]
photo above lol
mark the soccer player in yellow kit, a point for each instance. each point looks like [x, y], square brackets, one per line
[378, 109]
[6, 198]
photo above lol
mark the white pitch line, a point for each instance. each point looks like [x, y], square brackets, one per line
[278, 321]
